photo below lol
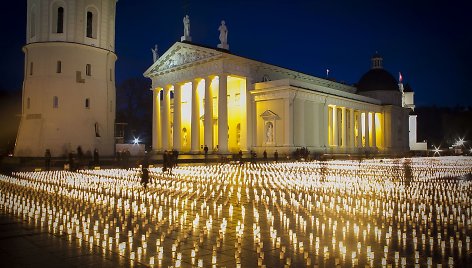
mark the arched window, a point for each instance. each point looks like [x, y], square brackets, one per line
[60, 20]
[90, 24]
[87, 103]
[55, 102]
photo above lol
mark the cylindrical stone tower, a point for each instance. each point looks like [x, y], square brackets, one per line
[69, 83]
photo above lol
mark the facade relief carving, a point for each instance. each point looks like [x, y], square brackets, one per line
[180, 57]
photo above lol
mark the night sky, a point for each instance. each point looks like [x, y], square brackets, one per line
[429, 42]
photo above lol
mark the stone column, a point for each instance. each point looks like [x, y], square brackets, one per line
[250, 108]
[156, 120]
[335, 126]
[351, 128]
[177, 117]
[223, 114]
[366, 127]
[195, 124]
[374, 138]
[344, 128]
[359, 129]
[165, 119]
[208, 128]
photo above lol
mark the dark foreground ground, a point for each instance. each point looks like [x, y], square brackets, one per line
[24, 246]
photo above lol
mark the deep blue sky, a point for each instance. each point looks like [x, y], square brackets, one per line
[430, 42]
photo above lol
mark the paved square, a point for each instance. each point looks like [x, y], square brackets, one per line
[399, 212]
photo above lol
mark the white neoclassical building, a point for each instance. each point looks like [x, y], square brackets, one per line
[209, 96]
[69, 88]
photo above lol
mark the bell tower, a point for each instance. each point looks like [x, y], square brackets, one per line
[68, 97]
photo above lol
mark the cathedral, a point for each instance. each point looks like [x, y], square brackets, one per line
[209, 97]
[203, 97]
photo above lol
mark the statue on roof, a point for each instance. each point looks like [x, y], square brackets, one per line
[155, 54]
[186, 22]
[223, 35]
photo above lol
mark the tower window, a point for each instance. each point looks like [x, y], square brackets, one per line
[87, 103]
[59, 67]
[88, 70]
[55, 102]
[31, 68]
[89, 24]
[60, 20]
[28, 103]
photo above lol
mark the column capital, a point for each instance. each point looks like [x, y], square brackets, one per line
[198, 79]
[210, 77]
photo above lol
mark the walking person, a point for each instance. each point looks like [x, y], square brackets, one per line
[145, 171]
[276, 156]
[47, 160]
[96, 159]
[164, 161]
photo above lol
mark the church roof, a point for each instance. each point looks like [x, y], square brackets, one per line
[169, 60]
[377, 79]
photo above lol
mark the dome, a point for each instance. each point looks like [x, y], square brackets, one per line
[377, 79]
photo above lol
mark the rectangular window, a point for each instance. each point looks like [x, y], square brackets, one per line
[31, 68]
[28, 103]
[88, 70]
[59, 67]
[55, 102]
[87, 103]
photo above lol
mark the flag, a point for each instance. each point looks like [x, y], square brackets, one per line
[400, 77]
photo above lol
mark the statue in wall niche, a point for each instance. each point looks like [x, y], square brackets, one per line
[186, 21]
[238, 134]
[223, 33]
[155, 54]
[269, 132]
[184, 136]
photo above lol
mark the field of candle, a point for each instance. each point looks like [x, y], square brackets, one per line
[413, 212]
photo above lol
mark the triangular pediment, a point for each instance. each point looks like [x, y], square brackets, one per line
[269, 115]
[181, 55]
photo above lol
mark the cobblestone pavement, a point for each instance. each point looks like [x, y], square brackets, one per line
[399, 212]
[22, 245]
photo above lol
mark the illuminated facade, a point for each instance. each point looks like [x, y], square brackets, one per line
[69, 88]
[265, 107]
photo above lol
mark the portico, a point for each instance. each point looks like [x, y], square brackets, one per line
[195, 107]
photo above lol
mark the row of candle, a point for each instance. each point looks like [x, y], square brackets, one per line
[388, 211]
